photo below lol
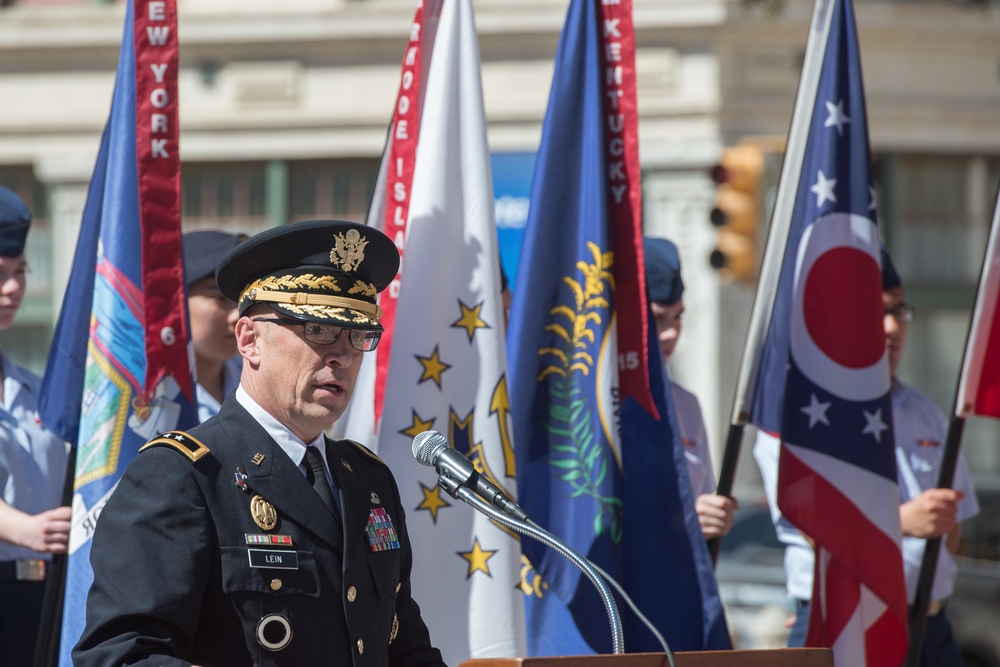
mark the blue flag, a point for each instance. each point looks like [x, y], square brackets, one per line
[93, 393]
[598, 472]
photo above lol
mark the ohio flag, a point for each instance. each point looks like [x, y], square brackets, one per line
[824, 380]
[444, 365]
[119, 371]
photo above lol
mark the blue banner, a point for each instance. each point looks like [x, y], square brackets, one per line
[92, 393]
[597, 472]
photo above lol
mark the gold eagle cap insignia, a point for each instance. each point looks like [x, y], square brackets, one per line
[349, 250]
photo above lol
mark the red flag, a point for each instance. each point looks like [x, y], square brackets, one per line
[979, 384]
[621, 136]
[159, 169]
[397, 165]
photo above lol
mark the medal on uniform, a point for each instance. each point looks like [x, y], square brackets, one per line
[241, 480]
[380, 532]
[263, 513]
[280, 540]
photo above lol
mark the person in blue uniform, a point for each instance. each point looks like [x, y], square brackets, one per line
[33, 461]
[666, 295]
[213, 318]
[925, 512]
[254, 539]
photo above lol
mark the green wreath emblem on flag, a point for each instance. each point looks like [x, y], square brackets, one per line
[576, 448]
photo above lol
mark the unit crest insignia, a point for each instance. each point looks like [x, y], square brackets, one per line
[263, 513]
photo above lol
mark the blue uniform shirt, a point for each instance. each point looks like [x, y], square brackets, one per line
[207, 405]
[691, 425]
[32, 460]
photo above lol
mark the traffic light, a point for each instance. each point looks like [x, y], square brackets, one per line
[737, 210]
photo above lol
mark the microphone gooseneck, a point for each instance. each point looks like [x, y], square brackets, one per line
[431, 449]
[462, 481]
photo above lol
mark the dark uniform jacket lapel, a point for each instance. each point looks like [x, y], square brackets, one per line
[276, 477]
[355, 498]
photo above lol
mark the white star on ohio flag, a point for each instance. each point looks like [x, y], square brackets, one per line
[874, 425]
[837, 116]
[816, 411]
[823, 189]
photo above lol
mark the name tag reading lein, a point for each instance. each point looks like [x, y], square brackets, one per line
[269, 558]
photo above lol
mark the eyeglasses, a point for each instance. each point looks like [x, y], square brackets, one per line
[902, 312]
[327, 334]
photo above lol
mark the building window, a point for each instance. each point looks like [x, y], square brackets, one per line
[938, 211]
[229, 196]
[331, 188]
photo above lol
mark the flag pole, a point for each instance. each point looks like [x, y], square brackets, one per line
[928, 566]
[971, 375]
[50, 629]
[774, 251]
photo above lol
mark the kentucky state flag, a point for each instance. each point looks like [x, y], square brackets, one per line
[447, 367]
[824, 381]
[119, 371]
[595, 469]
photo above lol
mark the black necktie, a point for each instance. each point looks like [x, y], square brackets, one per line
[316, 474]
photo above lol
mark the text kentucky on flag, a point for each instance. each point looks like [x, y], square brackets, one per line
[119, 369]
[446, 368]
[824, 380]
[595, 466]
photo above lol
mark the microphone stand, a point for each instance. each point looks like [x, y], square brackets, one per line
[457, 490]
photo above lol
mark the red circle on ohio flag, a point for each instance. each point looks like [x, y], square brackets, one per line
[842, 307]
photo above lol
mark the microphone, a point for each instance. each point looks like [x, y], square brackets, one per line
[431, 449]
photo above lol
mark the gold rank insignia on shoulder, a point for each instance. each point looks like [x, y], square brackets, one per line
[182, 442]
[263, 513]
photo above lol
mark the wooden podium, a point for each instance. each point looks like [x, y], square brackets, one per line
[782, 657]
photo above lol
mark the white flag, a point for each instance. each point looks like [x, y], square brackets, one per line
[447, 366]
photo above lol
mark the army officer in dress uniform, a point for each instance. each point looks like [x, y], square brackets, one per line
[253, 539]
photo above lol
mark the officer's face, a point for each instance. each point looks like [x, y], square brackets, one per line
[213, 322]
[304, 385]
[13, 272]
[895, 331]
[668, 325]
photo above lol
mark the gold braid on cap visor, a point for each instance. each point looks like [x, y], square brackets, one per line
[306, 299]
[258, 291]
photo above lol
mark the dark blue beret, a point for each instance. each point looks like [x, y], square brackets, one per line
[663, 271]
[327, 271]
[203, 250]
[890, 279]
[15, 218]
